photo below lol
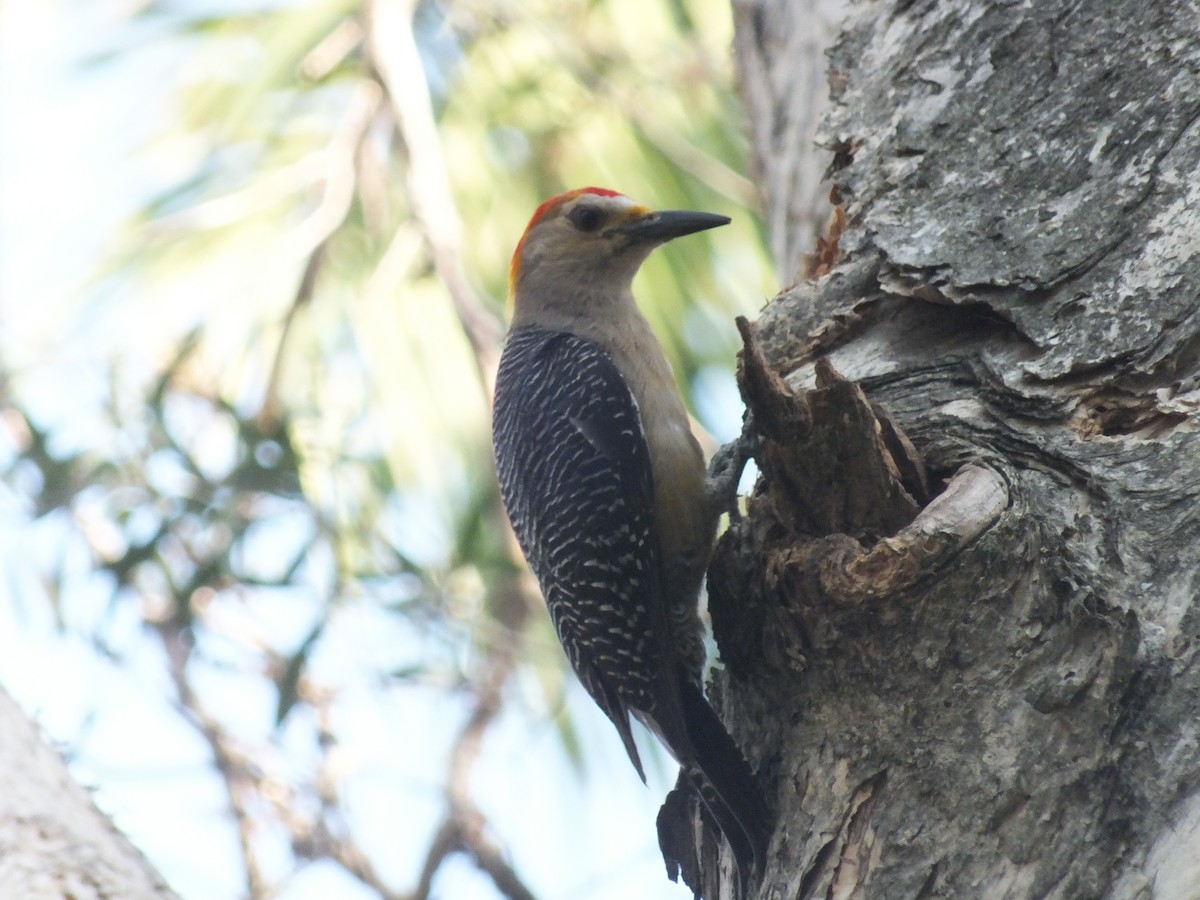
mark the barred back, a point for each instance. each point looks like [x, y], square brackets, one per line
[576, 480]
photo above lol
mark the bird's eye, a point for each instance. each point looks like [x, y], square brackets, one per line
[586, 218]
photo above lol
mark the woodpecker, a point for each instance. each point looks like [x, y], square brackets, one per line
[604, 484]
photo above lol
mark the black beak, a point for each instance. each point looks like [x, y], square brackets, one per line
[671, 223]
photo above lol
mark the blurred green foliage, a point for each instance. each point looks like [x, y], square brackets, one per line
[296, 423]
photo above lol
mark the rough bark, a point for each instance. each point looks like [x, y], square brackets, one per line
[996, 693]
[53, 841]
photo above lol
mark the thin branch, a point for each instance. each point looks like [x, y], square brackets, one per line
[393, 52]
[512, 613]
[235, 206]
[324, 842]
[177, 642]
[465, 828]
[246, 780]
[333, 49]
[315, 232]
[702, 166]
[444, 843]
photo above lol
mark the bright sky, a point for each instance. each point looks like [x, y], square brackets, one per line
[68, 177]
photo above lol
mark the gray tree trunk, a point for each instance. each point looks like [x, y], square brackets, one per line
[54, 843]
[986, 683]
[787, 40]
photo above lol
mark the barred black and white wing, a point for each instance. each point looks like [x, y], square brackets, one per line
[576, 480]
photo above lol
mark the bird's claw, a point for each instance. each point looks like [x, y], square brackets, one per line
[726, 467]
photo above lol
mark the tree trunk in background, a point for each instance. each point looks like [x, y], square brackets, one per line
[990, 689]
[788, 40]
[53, 841]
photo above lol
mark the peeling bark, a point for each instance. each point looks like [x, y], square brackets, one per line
[993, 692]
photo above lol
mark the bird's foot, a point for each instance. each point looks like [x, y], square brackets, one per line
[726, 467]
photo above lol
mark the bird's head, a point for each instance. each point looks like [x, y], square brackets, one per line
[591, 242]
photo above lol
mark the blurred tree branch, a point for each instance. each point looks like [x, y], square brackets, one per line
[297, 438]
[394, 56]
